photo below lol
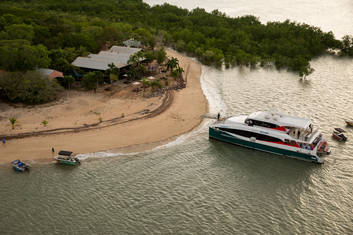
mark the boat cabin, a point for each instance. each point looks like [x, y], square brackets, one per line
[64, 154]
[296, 127]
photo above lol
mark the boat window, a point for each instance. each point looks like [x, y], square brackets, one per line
[265, 124]
[249, 134]
[317, 140]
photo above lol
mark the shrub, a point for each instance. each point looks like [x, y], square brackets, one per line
[156, 84]
[13, 121]
[92, 79]
[29, 87]
[45, 123]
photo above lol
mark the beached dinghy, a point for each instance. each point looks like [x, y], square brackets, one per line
[66, 158]
[20, 166]
[338, 135]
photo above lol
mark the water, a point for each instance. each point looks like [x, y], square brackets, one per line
[198, 186]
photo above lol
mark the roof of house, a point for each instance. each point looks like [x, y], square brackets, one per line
[132, 43]
[117, 55]
[50, 73]
[124, 50]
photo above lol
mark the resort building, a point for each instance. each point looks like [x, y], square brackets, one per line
[117, 55]
[50, 73]
[132, 43]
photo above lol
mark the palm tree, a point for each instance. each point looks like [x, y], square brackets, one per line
[137, 69]
[145, 83]
[172, 63]
[136, 58]
[179, 71]
[13, 121]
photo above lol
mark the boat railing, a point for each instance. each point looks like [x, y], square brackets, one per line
[311, 136]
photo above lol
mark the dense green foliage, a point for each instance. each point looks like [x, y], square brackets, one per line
[347, 45]
[92, 79]
[29, 87]
[71, 28]
[19, 55]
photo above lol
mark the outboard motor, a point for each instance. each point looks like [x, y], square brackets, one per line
[77, 160]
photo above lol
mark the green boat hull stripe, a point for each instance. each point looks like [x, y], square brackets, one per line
[223, 136]
[67, 162]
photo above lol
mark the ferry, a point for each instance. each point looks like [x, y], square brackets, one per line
[275, 133]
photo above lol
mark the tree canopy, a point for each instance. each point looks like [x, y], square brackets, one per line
[61, 30]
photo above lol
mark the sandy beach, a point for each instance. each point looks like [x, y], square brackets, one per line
[84, 108]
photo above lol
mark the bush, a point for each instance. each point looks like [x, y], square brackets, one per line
[92, 79]
[28, 88]
[156, 83]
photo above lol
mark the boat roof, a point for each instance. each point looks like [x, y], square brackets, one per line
[65, 153]
[281, 119]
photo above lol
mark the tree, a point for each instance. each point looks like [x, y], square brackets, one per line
[113, 72]
[45, 123]
[179, 71]
[149, 56]
[19, 55]
[29, 87]
[20, 31]
[68, 81]
[145, 83]
[160, 55]
[137, 70]
[13, 121]
[92, 79]
[347, 45]
[172, 63]
[156, 84]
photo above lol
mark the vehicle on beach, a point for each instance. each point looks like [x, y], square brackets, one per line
[20, 166]
[66, 158]
[275, 133]
[338, 135]
[349, 123]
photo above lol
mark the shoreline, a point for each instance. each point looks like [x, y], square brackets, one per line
[183, 115]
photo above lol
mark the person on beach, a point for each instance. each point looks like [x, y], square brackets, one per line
[3, 140]
[52, 150]
[218, 116]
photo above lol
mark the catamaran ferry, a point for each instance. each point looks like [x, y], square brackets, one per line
[275, 133]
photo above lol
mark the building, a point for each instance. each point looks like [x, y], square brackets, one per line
[117, 55]
[50, 73]
[132, 43]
